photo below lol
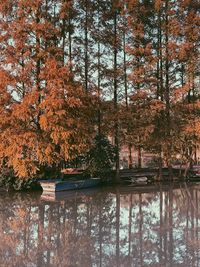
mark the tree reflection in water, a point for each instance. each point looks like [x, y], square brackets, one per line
[106, 228]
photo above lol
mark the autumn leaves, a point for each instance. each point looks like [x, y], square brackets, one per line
[70, 70]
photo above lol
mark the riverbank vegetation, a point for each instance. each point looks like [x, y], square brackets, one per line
[74, 70]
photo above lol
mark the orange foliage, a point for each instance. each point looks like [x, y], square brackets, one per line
[42, 120]
[46, 117]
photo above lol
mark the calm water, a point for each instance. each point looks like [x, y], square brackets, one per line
[110, 227]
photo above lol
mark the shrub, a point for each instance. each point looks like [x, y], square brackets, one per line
[10, 182]
[101, 157]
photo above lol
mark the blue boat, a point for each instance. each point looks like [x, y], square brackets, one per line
[59, 185]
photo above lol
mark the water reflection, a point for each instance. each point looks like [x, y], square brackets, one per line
[118, 227]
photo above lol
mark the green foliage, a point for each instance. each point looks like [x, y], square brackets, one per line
[101, 157]
[77, 162]
[25, 184]
[7, 177]
[48, 172]
[10, 182]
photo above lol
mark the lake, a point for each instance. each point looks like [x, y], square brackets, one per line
[122, 226]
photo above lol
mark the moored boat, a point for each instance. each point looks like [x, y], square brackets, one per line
[59, 185]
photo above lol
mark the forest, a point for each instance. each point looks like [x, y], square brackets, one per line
[73, 71]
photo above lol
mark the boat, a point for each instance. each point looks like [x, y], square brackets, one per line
[60, 185]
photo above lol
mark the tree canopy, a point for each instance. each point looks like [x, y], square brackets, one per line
[71, 70]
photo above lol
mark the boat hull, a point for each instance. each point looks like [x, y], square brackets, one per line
[58, 185]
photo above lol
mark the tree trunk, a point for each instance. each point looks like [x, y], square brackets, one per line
[139, 157]
[99, 75]
[116, 126]
[70, 42]
[86, 45]
[167, 90]
[130, 163]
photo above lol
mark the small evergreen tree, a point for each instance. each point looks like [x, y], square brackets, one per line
[101, 157]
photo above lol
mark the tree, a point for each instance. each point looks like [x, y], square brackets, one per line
[101, 157]
[47, 105]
